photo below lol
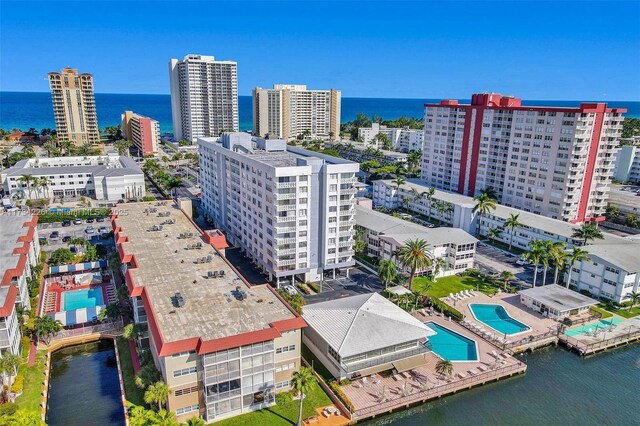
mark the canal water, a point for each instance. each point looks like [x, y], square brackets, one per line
[559, 388]
[84, 387]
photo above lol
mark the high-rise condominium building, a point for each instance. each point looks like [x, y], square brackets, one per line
[143, 132]
[553, 161]
[74, 106]
[204, 97]
[291, 210]
[290, 110]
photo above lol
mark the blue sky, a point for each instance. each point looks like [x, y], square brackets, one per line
[535, 50]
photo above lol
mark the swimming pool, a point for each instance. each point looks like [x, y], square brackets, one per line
[450, 345]
[497, 318]
[603, 324]
[79, 299]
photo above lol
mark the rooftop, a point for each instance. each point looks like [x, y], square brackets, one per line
[166, 263]
[626, 198]
[101, 165]
[12, 227]
[402, 230]
[363, 323]
[623, 254]
[558, 297]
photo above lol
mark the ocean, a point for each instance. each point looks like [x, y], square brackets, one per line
[23, 110]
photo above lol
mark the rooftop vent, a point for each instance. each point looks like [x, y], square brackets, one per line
[240, 294]
[179, 300]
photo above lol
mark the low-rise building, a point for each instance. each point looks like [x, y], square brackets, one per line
[626, 199]
[143, 132]
[105, 177]
[385, 234]
[402, 139]
[223, 347]
[627, 168]
[364, 334]
[556, 301]
[10, 336]
[19, 253]
[360, 153]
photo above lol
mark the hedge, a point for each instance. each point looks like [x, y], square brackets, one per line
[445, 309]
[335, 386]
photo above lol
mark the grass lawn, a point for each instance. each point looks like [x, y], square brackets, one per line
[452, 284]
[603, 313]
[623, 312]
[286, 414]
[33, 377]
[133, 394]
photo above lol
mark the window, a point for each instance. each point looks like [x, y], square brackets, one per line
[285, 367]
[284, 384]
[186, 391]
[184, 372]
[181, 354]
[188, 409]
[284, 349]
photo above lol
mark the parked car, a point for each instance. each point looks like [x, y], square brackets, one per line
[522, 262]
[90, 220]
[290, 290]
[103, 230]
[77, 221]
[100, 219]
[89, 230]
[54, 235]
[66, 238]
[66, 222]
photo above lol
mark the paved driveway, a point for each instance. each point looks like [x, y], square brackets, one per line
[492, 260]
[360, 281]
[73, 231]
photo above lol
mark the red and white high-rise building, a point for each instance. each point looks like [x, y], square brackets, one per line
[553, 161]
[143, 132]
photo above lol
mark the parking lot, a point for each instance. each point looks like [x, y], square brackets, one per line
[72, 231]
[359, 281]
[492, 260]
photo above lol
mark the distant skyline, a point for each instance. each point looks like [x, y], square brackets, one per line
[533, 50]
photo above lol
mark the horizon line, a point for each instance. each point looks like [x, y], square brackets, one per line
[347, 97]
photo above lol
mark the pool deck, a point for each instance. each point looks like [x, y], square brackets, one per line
[588, 344]
[542, 330]
[383, 394]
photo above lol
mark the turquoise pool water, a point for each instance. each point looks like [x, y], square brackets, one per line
[82, 299]
[496, 317]
[602, 324]
[450, 345]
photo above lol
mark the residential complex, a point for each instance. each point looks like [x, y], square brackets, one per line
[222, 346]
[19, 253]
[106, 177]
[556, 301]
[553, 161]
[385, 234]
[204, 97]
[402, 139]
[619, 254]
[360, 153]
[74, 107]
[291, 110]
[143, 132]
[628, 163]
[364, 334]
[291, 210]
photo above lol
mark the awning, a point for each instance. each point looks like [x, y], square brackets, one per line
[399, 290]
[409, 363]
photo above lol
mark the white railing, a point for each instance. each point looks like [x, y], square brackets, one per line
[115, 326]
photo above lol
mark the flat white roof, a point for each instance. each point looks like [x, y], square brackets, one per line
[558, 297]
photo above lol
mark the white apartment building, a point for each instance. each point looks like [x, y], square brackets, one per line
[555, 162]
[19, 252]
[291, 210]
[628, 163]
[204, 97]
[384, 234]
[402, 139]
[106, 177]
[291, 110]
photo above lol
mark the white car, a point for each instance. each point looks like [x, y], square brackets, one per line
[522, 262]
[103, 230]
[291, 290]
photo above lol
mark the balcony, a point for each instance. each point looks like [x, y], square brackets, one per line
[285, 252]
[286, 262]
[286, 196]
[285, 207]
[285, 185]
[282, 219]
[285, 240]
[384, 359]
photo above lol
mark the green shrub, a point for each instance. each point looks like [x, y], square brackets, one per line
[284, 398]
[303, 288]
[8, 409]
[345, 382]
[335, 386]
[18, 384]
[295, 300]
[445, 309]
[313, 286]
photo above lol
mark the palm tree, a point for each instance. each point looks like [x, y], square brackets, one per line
[535, 255]
[27, 180]
[493, 233]
[9, 364]
[635, 296]
[387, 271]
[157, 393]
[577, 255]
[112, 311]
[546, 247]
[49, 146]
[444, 368]
[44, 327]
[66, 145]
[122, 146]
[490, 192]
[139, 416]
[506, 276]
[131, 331]
[558, 254]
[165, 418]
[172, 184]
[439, 264]
[428, 194]
[512, 223]
[484, 205]
[588, 231]
[301, 381]
[441, 207]
[414, 256]
[78, 241]
[23, 417]
[44, 184]
[194, 421]
[612, 212]
[398, 182]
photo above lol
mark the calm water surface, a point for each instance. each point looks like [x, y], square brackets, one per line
[84, 387]
[559, 388]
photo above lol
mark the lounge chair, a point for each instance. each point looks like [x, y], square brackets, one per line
[482, 368]
[494, 354]
[397, 377]
[504, 355]
[461, 375]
